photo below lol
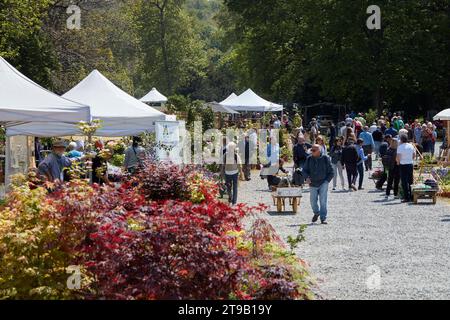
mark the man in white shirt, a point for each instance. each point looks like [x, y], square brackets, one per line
[374, 127]
[405, 158]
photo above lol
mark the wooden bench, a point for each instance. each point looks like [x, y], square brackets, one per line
[424, 194]
[293, 195]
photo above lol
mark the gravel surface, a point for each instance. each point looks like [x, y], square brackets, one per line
[371, 248]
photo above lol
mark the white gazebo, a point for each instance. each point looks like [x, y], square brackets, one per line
[250, 101]
[120, 113]
[154, 96]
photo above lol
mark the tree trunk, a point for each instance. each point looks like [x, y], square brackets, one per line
[378, 100]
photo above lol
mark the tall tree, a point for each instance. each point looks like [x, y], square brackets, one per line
[174, 55]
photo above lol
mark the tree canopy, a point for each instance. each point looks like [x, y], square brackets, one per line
[290, 51]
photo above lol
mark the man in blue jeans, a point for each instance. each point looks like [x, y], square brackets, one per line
[319, 173]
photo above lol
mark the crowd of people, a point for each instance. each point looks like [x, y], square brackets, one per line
[55, 166]
[354, 145]
[343, 156]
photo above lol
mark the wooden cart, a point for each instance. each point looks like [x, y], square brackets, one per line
[292, 195]
[424, 194]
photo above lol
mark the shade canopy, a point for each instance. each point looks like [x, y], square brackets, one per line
[120, 113]
[24, 101]
[443, 115]
[250, 101]
[218, 108]
[230, 98]
[154, 96]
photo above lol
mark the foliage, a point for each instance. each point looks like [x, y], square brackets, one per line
[19, 20]
[286, 153]
[284, 51]
[163, 181]
[294, 242]
[276, 272]
[118, 160]
[34, 246]
[297, 121]
[89, 129]
[371, 116]
[177, 251]
[174, 55]
[131, 248]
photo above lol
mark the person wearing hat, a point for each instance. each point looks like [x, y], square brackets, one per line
[52, 167]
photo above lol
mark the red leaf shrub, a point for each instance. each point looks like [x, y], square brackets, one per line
[177, 250]
[145, 241]
[163, 181]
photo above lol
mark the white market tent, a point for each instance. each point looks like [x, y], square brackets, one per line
[120, 113]
[443, 115]
[230, 97]
[154, 96]
[250, 101]
[218, 108]
[24, 101]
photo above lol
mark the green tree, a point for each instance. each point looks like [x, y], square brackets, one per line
[174, 55]
[288, 48]
[18, 21]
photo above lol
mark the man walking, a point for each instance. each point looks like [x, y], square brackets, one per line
[368, 146]
[319, 173]
[383, 151]
[405, 158]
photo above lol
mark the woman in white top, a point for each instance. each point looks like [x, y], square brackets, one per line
[405, 158]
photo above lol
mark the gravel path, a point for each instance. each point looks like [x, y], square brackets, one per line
[371, 249]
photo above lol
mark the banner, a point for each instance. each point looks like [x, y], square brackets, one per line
[168, 140]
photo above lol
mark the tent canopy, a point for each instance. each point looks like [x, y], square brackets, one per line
[230, 97]
[23, 101]
[120, 113]
[218, 108]
[443, 115]
[154, 96]
[250, 101]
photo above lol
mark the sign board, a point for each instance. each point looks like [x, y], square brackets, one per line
[168, 138]
[289, 192]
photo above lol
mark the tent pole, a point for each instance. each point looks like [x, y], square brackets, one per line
[91, 178]
[7, 162]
